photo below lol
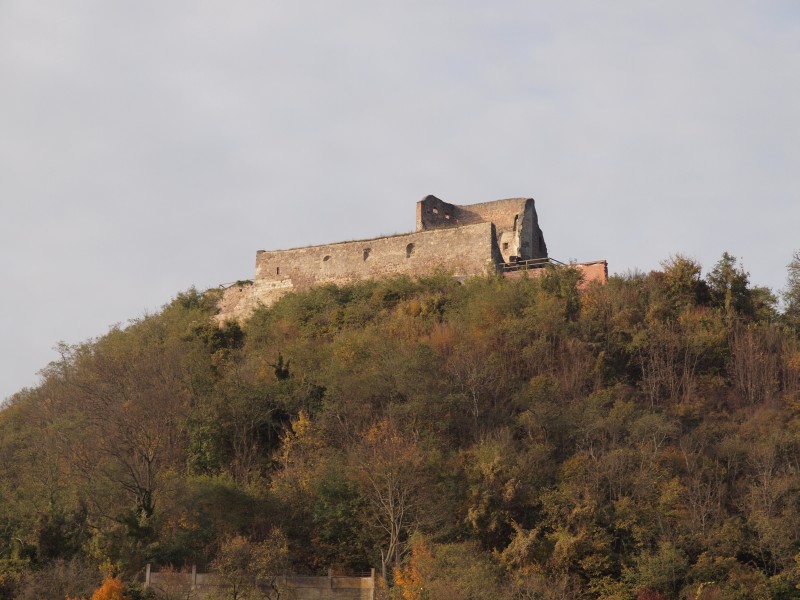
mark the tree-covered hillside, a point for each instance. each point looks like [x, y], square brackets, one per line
[495, 439]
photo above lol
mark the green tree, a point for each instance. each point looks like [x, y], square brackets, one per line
[791, 295]
[728, 284]
[663, 570]
[682, 279]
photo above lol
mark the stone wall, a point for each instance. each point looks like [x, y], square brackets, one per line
[464, 251]
[199, 586]
[515, 220]
[434, 213]
[466, 241]
[240, 300]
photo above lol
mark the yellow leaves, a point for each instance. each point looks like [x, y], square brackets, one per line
[299, 449]
[671, 500]
[241, 558]
[593, 301]
[302, 425]
[576, 466]
[413, 578]
[793, 362]
[442, 339]
[386, 441]
[345, 354]
[412, 319]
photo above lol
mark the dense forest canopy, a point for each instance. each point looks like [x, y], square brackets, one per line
[520, 439]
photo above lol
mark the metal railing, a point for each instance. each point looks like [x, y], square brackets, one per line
[526, 265]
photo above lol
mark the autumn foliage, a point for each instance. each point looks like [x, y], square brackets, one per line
[112, 589]
[492, 440]
[414, 577]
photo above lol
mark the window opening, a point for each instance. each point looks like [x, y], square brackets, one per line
[366, 253]
[277, 270]
[436, 211]
[409, 250]
[326, 258]
[505, 245]
[516, 218]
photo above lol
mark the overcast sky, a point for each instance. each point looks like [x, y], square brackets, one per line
[150, 146]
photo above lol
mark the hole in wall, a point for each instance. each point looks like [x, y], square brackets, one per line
[409, 250]
[277, 270]
[436, 211]
[516, 220]
[326, 258]
[505, 245]
[447, 217]
[367, 252]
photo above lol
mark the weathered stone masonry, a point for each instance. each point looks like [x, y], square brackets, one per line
[515, 220]
[469, 250]
[465, 240]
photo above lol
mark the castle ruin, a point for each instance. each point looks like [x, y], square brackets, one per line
[477, 239]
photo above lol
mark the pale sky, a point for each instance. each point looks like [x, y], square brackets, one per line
[150, 146]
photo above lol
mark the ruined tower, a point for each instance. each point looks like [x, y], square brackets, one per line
[516, 224]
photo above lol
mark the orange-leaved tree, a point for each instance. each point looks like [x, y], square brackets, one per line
[111, 589]
[413, 578]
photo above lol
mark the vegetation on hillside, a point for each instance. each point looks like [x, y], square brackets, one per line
[494, 439]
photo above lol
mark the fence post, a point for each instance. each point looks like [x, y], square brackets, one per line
[372, 583]
[194, 577]
[147, 576]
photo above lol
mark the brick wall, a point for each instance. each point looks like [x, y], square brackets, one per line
[593, 271]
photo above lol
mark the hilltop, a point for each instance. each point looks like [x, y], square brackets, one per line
[498, 237]
[497, 438]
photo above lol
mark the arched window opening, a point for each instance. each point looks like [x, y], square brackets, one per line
[516, 219]
[409, 250]
[366, 253]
